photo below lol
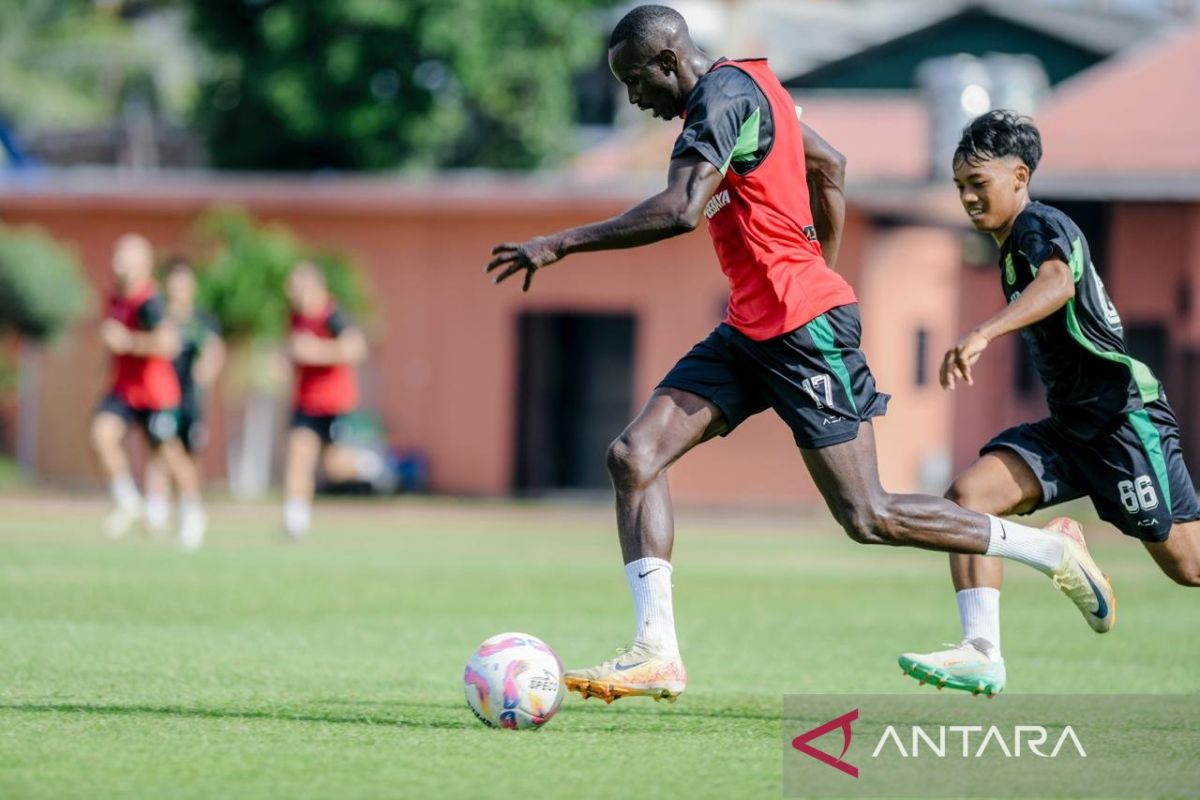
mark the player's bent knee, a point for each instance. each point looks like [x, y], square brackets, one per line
[965, 495]
[871, 521]
[1188, 576]
[630, 465]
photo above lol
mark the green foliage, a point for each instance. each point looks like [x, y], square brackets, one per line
[41, 287]
[368, 84]
[66, 62]
[241, 280]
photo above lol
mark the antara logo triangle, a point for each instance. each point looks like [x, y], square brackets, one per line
[801, 743]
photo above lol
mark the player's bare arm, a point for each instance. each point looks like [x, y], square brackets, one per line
[677, 209]
[826, 173]
[1049, 291]
[348, 347]
[208, 365]
[163, 341]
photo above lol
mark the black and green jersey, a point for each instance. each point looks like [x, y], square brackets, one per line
[194, 334]
[1079, 350]
[727, 121]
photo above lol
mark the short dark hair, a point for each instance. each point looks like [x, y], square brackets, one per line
[643, 21]
[176, 263]
[998, 134]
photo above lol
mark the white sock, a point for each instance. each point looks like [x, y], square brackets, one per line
[1038, 548]
[125, 492]
[650, 584]
[190, 504]
[979, 612]
[297, 516]
[158, 510]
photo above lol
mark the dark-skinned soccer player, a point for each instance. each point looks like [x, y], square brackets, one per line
[790, 340]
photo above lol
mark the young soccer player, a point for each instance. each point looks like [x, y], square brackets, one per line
[197, 364]
[324, 347]
[790, 340]
[1110, 436]
[144, 391]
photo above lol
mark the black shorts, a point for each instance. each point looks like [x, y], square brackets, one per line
[1133, 471]
[330, 427]
[815, 378]
[192, 430]
[160, 425]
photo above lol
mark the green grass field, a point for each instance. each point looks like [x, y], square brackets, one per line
[333, 668]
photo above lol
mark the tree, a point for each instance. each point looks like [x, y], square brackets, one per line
[42, 290]
[64, 63]
[369, 84]
[242, 275]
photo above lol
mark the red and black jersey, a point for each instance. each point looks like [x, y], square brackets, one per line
[741, 119]
[329, 389]
[142, 382]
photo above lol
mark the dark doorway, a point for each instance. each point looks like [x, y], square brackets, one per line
[574, 396]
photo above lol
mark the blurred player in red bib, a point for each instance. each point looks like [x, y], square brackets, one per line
[144, 391]
[324, 348]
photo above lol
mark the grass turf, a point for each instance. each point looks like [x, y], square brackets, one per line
[332, 668]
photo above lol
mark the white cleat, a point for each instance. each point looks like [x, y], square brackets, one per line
[192, 525]
[157, 516]
[968, 666]
[1080, 578]
[636, 672]
[120, 521]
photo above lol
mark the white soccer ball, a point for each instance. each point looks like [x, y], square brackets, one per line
[514, 681]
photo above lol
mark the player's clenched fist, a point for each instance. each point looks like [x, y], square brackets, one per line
[957, 363]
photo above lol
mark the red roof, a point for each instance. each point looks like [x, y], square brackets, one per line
[1135, 114]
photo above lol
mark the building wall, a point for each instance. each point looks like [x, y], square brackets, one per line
[910, 283]
[443, 364]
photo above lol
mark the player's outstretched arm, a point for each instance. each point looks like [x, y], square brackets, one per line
[677, 209]
[1049, 291]
[826, 175]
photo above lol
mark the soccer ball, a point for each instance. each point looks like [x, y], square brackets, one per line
[514, 681]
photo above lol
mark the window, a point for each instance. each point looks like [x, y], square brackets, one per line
[922, 355]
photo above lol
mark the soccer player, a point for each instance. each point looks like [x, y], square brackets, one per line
[142, 340]
[197, 364]
[1111, 435]
[790, 340]
[324, 347]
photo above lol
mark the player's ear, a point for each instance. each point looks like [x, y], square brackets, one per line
[668, 62]
[1021, 176]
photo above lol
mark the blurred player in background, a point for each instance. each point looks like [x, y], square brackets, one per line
[1111, 435]
[197, 364]
[324, 348]
[145, 391]
[772, 193]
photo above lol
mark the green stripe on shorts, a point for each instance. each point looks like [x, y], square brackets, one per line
[1152, 444]
[822, 335]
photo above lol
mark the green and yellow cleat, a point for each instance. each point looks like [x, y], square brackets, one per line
[966, 667]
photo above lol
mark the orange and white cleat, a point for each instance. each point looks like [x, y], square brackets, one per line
[635, 672]
[1080, 578]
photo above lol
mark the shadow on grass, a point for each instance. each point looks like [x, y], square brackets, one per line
[592, 710]
[281, 715]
